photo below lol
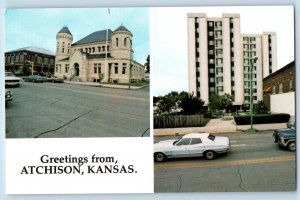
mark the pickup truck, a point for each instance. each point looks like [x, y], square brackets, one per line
[285, 138]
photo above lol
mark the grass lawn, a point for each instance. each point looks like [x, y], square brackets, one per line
[205, 121]
[138, 84]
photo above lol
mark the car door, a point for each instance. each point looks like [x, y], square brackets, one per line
[196, 147]
[181, 148]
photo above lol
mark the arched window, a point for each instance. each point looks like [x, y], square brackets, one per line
[117, 41]
[125, 42]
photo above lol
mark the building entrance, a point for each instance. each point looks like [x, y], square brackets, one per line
[76, 66]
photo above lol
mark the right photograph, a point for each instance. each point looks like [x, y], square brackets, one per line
[223, 99]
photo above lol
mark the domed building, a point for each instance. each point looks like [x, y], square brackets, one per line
[97, 59]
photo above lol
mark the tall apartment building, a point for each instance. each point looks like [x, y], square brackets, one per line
[220, 58]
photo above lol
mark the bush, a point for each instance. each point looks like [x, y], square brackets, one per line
[262, 119]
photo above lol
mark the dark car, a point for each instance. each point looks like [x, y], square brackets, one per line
[8, 96]
[285, 138]
[35, 79]
[55, 79]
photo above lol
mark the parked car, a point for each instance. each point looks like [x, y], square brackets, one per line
[191, 145]
[35, 79]
[8, 96]
[12, 80]
[285, 138]
[55, 79]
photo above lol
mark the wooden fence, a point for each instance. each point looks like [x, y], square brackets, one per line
[178, 121]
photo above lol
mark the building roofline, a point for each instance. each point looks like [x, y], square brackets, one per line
[291, 64]
[192, 15]
[34, 50]
[250, 35]
[234, 15]
[269, 33]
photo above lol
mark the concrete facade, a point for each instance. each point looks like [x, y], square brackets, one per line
[220, 58]
[277, 106]
[102, 56]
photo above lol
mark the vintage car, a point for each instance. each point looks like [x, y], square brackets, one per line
[55, 79]
[36, 79]
[12, 80]
[285, 138]
[8, 96]
[191, 145]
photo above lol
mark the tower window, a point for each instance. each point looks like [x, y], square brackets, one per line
[117, 42]
[125, 42]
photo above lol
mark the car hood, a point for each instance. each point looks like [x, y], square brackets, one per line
[287, 134]
[164, 144]
[12, 78]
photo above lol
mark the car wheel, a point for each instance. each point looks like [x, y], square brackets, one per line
[209, 155]
[292, 146]
[274, 139]
[159, 157]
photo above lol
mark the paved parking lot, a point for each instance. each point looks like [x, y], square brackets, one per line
[67, 110]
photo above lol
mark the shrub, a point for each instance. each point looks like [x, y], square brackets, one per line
[262, 119]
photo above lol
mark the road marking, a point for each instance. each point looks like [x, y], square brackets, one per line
[238, 145]
[225, 163]
[93, 93]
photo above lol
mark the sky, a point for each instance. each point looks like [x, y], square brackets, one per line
[169, 63]
[38, 27]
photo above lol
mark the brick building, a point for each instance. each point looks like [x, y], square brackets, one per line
[279, 90]
[20, 61]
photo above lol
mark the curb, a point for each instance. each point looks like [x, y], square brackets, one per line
[105, 86]
[183, 133]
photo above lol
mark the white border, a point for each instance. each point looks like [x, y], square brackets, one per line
[92, 3]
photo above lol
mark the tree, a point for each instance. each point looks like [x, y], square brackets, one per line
[147, 64]
[168, 103]
[189, 103]
[260, 108]
[214, 102]
[220, 102]
[226, 102]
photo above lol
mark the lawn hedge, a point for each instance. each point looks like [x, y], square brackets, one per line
[262, 119]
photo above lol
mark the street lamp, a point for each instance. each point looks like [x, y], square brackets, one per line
[31, 63]
[253, 61]
[129, 62]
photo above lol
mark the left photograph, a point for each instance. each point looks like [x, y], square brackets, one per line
[80, 72]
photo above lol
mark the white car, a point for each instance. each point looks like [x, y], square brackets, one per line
[12, 80]
[191, 145]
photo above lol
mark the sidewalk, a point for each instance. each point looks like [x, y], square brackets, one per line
[217, 126]
[95, 84]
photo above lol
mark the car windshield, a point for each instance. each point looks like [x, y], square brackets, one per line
[9, 74]
[175, 141]
[211, 137]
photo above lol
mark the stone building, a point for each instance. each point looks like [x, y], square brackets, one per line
[20, 61]
[105, 56]
[221, 59]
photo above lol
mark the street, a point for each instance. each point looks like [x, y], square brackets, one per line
[254, 163]
[55, 110]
